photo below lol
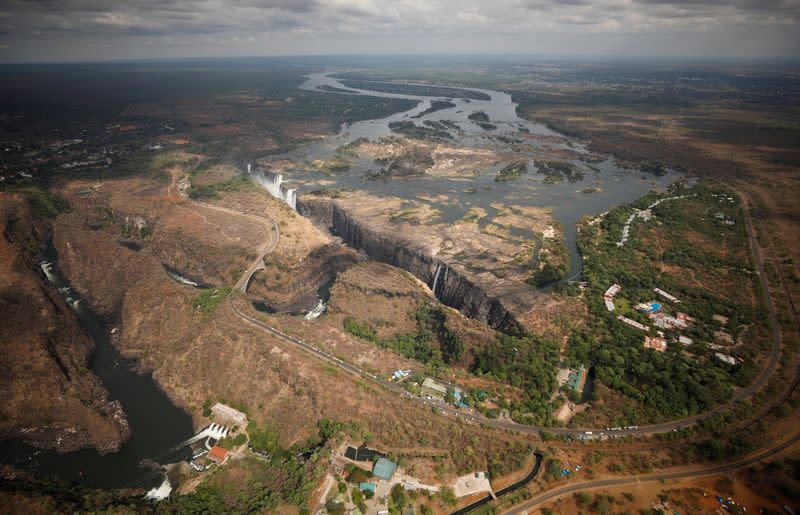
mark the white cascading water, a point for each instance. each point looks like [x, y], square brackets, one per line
[215, 431]
[273, 183]
[160, 492]
[47, 268]
[436, 279]
[291, 198]
[318, 310]
[182, 279]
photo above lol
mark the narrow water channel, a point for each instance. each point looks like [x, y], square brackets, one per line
[157, 424]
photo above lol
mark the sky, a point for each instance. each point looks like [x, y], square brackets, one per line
[96, 30]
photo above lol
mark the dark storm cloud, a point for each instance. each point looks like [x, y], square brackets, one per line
[161, 28]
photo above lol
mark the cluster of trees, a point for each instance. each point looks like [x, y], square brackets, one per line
[557, 171]
[418, 345]
[527, 362]
[512, 171]
[412, 130]
[436, 105]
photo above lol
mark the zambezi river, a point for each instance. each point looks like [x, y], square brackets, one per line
[158, 425]
[514, 138]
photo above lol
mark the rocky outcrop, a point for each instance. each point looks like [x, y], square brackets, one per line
[450, 285]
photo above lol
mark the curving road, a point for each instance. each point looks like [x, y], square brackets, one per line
[273, 233]
[659, 476]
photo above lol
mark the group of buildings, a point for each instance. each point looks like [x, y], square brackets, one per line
[660, 319]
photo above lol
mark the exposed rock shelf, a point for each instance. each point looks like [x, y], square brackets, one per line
[453, 287]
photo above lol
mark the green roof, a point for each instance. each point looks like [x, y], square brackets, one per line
[384, 468]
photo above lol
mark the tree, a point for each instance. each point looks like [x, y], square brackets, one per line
[553, 469]
[447, 496]
[398, 496]
[334, 508]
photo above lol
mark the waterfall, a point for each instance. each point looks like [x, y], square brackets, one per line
[436, 279]
[273, 183]
[318, 310]
[249, 171]
[161, 492]
[182, 279]
[47, 268]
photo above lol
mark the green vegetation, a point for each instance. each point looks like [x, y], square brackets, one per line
[413, 161]
[478, 116]
[431, 324]
[482, 120]
[335, 164]
[472, 215]
[236, 441]
[286, 477]
[436, 105]
[206, 303]
[415, 89]
[351, 148]
[553, 263]
[44, 203]
[408, 213]
[211, 191]
[684, 379]
[412, 130]
[359, 330]
[526, 362]
[447, 496]
[512, 171]
[557, 171]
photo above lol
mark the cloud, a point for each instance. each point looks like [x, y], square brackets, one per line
[353, 26]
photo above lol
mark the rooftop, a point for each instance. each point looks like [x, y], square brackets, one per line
[384, 468]
[218, 454]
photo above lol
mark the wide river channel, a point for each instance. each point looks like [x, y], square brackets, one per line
[513, 139]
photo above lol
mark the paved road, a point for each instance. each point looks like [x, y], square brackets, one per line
[268, 224]
[272, 238]
[660, 476]
[446, 410]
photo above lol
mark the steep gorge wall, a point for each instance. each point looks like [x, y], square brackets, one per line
[452, 288]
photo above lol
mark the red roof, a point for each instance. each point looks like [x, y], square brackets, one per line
[217, 453]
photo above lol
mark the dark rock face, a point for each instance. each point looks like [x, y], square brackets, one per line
[451, 287]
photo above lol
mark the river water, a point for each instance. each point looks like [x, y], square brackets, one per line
[565, 199]
[157, 424]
